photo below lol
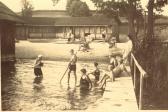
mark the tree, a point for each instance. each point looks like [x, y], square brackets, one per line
[27, 8]
[69, 2]
[152, 4]
[78, 8]
[132, 9]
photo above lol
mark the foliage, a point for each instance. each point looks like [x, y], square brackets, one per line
[77, 8]
[27, 8]
[131, 9]
[69, 2]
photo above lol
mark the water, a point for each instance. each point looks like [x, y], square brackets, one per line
[22, 91]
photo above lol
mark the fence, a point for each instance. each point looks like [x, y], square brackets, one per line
[138, 80]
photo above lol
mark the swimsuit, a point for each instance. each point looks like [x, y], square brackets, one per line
[72, 67]
[84, 83]
[96, 74]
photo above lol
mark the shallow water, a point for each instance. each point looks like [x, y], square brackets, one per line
[22, 91]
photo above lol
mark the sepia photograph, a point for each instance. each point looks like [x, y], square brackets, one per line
[84, 55]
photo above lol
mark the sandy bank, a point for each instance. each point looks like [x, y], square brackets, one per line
[56, 50]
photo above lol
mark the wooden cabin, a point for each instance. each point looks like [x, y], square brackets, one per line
[8, 19]
[56, 26]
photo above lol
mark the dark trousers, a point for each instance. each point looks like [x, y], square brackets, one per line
[38, 72]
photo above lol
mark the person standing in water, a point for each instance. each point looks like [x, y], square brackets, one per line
[72, 65]
[37, 66]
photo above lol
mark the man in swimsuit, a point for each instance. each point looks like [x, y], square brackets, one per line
[72, 65]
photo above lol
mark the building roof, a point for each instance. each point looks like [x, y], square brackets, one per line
[72, 21]
[50, 13]
[53, 13]
[8, 14]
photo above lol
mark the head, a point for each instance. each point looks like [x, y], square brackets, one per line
[40, 56]
[96, 64]
[121, 61]
[83, 71]
[129, 37]
[113, 40]
[71, 51]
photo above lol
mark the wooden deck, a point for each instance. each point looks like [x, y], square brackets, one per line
[122, 98]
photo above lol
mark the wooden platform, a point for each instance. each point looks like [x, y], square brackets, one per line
[119, 96]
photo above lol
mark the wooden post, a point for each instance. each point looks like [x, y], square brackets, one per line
[95, 30]
[28, 30]
[134, 76]
[131, 62]
[141, 93]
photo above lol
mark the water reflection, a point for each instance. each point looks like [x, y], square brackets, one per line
[8, 85]
[38, 86]
[71, 97]
[21, 90]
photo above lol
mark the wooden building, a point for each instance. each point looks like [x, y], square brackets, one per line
[7, 32]
[57, 27]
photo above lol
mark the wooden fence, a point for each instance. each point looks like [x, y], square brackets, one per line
[138, 80]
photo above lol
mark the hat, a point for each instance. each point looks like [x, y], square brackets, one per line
[39, 56]
[95, 63]
[83, 70]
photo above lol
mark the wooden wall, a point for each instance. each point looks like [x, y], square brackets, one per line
[43, 32]
[7, 34]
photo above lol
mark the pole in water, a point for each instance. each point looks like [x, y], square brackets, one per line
[63, 74]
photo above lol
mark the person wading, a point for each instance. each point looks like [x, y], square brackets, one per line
[37, 66]
[72, 65]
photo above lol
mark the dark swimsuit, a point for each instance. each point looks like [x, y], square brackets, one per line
[84, 84]
[96, 74]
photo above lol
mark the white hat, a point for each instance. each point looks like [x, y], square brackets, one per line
[39, 56]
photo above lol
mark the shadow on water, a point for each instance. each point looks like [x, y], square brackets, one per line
[8, 84]
[37, 83]
[80, 99]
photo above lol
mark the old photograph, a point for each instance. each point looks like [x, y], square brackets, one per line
[84, 55]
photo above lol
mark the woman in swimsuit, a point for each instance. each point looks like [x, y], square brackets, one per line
[96, 72]
[85, 82]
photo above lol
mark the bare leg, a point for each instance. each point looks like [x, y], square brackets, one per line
[75, 77]
[69, 72]
[79, 48]
[124, 69]
[113, 77]
[100, 81]
[103, 84]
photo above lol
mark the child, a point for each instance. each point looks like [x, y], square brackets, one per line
[85, 82]
[96, 72]
[37, 66]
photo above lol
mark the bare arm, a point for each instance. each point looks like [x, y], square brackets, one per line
[89, 82]
[37, 62]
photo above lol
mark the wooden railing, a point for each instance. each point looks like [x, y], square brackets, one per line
[138, 76]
